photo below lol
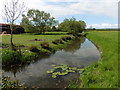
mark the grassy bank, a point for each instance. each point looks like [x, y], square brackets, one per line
[103, 74]
[32, 46]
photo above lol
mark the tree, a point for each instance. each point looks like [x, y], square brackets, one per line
[54, 28]
[65, 25]
[83, 25]
[26, 24]
[72, 26]
[12, 11]
[39, 20]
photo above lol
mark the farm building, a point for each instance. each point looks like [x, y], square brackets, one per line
[5, 28]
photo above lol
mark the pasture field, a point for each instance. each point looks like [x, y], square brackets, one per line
[103, 74]
[28, 39]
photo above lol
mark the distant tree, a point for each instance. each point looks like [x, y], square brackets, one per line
[64, 26]
[54, 28]
[72, 26]
[83, 25]
[12, 11]
[37, 21]
[48, 28]
[94, 29]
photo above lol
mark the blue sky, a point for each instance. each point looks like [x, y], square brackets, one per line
[96, 13]
[91, 19]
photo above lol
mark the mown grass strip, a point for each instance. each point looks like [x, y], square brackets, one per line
[103, 74]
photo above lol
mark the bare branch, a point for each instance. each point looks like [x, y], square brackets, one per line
[21, 10]
[13, 10]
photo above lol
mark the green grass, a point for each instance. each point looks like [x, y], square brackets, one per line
[104, 73]
[29, 53]
[24, 39]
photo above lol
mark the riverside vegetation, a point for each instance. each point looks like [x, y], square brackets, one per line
[31, 47]
[102, 74]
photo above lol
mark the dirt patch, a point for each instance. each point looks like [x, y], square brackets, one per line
[37, 40]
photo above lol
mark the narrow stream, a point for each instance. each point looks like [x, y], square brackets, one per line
[81, 52]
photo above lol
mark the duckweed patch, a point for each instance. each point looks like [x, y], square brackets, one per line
[62, 70]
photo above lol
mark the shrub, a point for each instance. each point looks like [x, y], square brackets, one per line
[58, 41]
[35, 39]
[79, 34]
[10, 84]
[68, 38]
[52, 49]
[64, 39]
[61, 42]
[10, 57]
[55, 42]
[85, 34]
[28, 56]
[45, 52]
[45, 45]
[34, 49]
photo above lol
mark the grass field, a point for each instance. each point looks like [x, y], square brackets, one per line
[25, 39]
[103, 74]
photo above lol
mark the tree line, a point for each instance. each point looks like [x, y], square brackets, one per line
[39, 22]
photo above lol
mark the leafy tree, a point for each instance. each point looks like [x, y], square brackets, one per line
[72, 26]
[83, 25]
[26, 24]
[37, 21]
[48, 28]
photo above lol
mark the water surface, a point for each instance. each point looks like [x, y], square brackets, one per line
[81, 52]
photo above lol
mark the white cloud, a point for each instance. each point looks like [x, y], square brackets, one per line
[106, 25]
[108, 7]
[94, 7]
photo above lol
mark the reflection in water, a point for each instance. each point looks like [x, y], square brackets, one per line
[75, 54]
[20, 67]
[15, 68]
[75, 45]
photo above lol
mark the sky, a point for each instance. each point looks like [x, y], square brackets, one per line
[96, 13]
